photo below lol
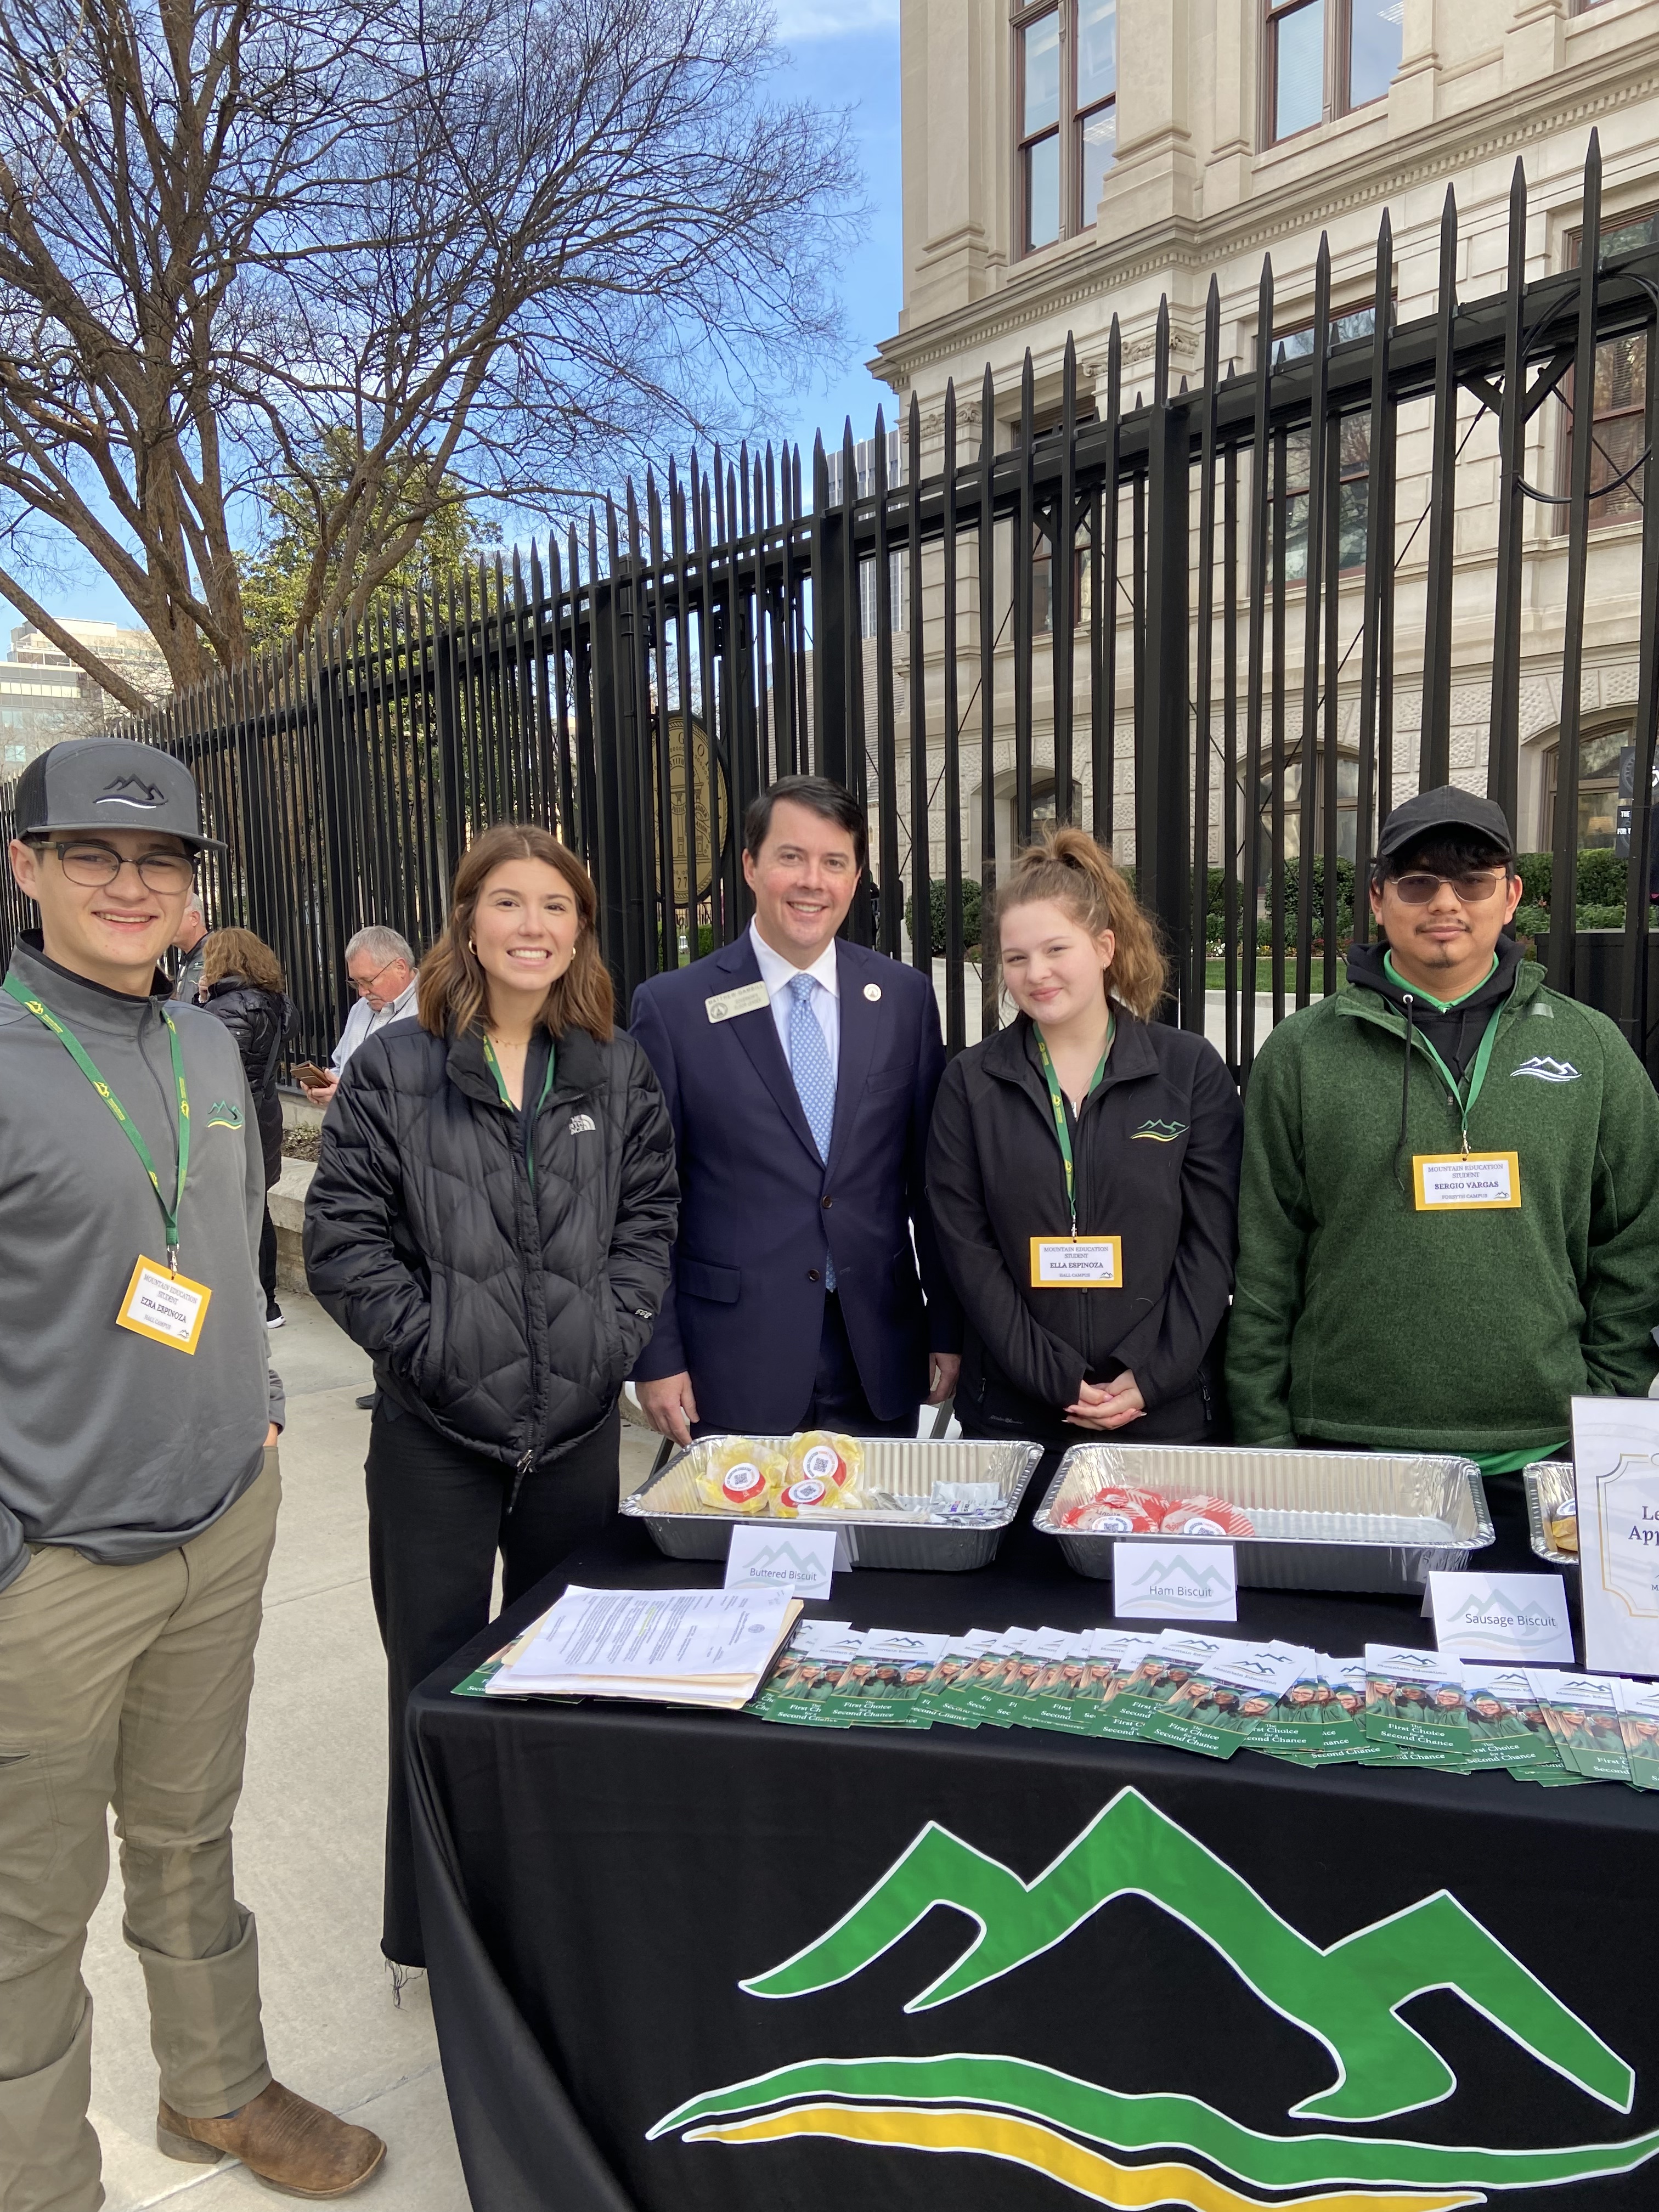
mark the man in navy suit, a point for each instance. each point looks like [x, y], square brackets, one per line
[800, 1073]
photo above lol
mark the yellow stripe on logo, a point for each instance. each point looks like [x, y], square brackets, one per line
[1044, 2150]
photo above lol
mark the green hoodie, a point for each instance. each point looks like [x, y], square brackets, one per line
[1357, 1320]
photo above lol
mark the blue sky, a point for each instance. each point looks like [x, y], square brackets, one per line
[844, 53]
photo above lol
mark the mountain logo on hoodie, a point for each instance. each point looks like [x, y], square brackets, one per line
[1546, 1070]
[223, 1114]
[1161, 1133]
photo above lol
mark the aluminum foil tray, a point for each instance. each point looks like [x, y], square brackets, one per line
[907, 1533]
[1551, 1490]
[1324, 1520]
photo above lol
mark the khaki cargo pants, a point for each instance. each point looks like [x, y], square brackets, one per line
[126, 1685]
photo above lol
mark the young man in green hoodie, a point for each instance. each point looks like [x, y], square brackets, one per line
[1448, 1224]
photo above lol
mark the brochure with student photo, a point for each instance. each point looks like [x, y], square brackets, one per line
[1507, 1728]
[879, 1688]
[1415, 1701]
[1582, 1714]
[1639, 1724]
[1226, 1700]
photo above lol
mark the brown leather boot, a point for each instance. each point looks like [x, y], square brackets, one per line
[288, 2143]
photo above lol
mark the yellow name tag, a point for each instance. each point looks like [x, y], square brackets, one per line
[1077, 1263]
[1453, 1182]
[748, 999]
[167, 1309]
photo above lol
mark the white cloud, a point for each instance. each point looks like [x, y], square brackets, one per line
[799, 21]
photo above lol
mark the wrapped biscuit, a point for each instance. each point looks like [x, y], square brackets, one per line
[810, 1494]
[741, 1476]
[837, 1461]
[1118, 1512]
[1203, 1515]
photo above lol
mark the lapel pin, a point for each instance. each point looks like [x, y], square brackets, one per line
[872, 991]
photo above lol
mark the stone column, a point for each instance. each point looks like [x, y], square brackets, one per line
[1155, 176]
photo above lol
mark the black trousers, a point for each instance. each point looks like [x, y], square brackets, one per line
[437, 1516]
[268, 1258]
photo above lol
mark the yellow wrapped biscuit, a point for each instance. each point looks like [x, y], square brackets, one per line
[837, 1461]
[741, 1476]
[807, 1495]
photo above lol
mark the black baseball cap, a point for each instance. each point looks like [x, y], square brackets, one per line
[1444, 808]
[109, 783]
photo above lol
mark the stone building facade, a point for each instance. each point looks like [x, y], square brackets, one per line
[1066, 161]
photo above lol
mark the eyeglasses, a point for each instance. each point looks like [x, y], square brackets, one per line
[92, 867]
[367, 984]
[1418, 891]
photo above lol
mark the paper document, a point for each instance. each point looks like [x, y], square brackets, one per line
[694, 1646]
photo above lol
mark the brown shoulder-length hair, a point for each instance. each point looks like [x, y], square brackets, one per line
[1079, 876]
[452, 997]
[240, 952]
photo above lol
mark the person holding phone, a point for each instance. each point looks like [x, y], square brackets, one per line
[1083, 1175]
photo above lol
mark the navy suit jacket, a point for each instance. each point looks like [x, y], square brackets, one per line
[759, 1211]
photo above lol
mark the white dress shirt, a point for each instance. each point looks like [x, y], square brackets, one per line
[777, 974]
[363, 1022]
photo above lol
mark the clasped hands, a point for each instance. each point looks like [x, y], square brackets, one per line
[1107, 1405]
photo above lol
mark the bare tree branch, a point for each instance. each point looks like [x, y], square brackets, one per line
[498, 244]
[107, 677]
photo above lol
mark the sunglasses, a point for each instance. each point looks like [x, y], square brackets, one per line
[1418, 889]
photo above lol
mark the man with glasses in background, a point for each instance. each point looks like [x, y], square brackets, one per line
[139, 1495]
[380, 968]
[1449, 1225]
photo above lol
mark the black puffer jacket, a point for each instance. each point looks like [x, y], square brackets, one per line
[259, 1021]
[505, 1315]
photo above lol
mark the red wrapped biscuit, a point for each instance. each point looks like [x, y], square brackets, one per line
[1203, 1515]
[1118, 1511]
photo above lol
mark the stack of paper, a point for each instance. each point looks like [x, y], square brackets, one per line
[691, 1647]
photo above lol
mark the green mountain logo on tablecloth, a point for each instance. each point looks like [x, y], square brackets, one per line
[1348, 1997]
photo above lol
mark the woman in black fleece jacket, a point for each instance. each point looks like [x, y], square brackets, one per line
[1151, 1122]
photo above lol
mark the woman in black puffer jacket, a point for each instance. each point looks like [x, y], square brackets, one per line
[491, 1219]
[242, 983]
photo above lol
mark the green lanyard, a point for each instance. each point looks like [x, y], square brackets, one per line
[494, 1068]
[1057, 1105]
[77, 1052]
[1483, 1054]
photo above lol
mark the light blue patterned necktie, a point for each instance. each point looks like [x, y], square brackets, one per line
[815, 1079]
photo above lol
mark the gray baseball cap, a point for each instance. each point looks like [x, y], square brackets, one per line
[109, 783]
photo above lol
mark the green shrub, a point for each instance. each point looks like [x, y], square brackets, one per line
[1536, 871]
[1530, 921]
[1602, 875]
[970, 914]
[1601, 917]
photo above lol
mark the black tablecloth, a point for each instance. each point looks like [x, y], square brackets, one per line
[597, 1879]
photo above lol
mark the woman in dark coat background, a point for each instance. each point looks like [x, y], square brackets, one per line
[490, 1219]
[243, 983]
[1087, 1123]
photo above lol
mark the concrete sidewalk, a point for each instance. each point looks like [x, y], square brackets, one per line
[307, 1845]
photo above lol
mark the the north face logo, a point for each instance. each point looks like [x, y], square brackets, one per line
[582, 1125]
[1546, 1070]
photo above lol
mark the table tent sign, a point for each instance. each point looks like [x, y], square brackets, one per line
[1615, 1451]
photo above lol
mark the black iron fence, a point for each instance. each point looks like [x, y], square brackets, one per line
[1214, 623]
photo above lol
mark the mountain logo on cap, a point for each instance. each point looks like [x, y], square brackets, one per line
[131, 791]
[1548, 1070]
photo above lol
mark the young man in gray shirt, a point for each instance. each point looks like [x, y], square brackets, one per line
[138, 1493]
